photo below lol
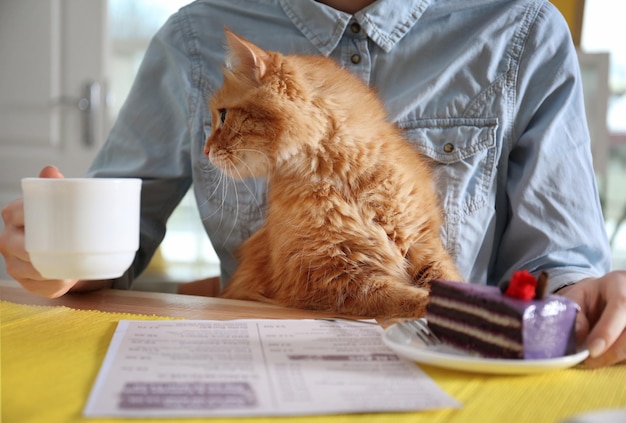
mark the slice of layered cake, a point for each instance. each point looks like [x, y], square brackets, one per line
[521, 322]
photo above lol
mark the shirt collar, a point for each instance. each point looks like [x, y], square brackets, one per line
[385, 21]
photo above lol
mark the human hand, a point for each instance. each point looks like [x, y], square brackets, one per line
[12, 247]
[601, 324]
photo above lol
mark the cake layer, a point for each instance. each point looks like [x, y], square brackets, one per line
[475, 310]
[505, 329]
[477, 345]
[478, 296]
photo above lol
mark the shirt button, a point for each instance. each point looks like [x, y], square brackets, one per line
[356, 59]
[355, 27]
[448, 148]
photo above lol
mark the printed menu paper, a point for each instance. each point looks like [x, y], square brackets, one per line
[203, 368]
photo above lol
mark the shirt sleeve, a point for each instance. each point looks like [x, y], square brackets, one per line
[554, 220]
[150, 138]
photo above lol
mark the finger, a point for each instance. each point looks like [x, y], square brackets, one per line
[48, 288]
[13, 213]
[50, 172]
[12, 244]
[32, 281]
[615, 354]
[21, 269]
[608, 328]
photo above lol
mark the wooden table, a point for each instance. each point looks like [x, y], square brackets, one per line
[158, 304]
[548, 397]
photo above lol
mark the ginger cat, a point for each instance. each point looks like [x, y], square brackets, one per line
[353, 220]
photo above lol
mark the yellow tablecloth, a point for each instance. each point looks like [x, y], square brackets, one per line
[50, 357]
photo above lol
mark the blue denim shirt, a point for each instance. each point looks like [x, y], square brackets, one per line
[489, 90]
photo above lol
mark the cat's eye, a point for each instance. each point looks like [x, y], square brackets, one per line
[222, 115]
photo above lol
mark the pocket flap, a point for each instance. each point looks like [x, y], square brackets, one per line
[451, 140]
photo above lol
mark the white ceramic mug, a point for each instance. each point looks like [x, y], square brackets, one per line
[81, 228]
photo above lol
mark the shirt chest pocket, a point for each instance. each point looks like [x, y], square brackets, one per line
[463, 152]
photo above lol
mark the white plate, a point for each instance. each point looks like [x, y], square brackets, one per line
[407, 345]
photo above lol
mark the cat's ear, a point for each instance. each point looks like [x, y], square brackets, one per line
[245, 57]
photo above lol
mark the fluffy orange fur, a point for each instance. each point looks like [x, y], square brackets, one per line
[353, 220]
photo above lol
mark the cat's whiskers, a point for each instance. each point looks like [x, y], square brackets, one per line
[233, 169]
[215, 188]
[218, 184]
[238, 141]
[231, 176]
[209, 196]
[252, 194]
[226, 179]
[261, 154]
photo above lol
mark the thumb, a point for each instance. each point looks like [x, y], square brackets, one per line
[50, 172]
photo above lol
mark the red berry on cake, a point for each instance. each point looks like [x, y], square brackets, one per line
[522, 285]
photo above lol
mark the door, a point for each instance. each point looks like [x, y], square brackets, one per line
[52, 77]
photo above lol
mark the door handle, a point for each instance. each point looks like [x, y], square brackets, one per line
[89, 104]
